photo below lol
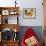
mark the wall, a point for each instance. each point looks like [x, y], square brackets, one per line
[39, 13]
[27, 4]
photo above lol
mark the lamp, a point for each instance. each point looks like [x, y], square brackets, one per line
[15, 3]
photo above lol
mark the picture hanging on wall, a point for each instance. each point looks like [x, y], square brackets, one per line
[29, 13]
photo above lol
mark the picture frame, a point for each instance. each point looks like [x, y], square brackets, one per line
[5, 12]
[13, 12]
[29, 13]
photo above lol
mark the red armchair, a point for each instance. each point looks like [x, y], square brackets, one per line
[30, 39]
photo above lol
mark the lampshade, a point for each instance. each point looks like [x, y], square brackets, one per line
[15, 30]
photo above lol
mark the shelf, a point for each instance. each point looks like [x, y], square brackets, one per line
[9, 10]
[6, 12]
[11, 26]
[9, 19]
[11, 41]
[7, 16]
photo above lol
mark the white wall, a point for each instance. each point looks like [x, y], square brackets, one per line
[27, 4]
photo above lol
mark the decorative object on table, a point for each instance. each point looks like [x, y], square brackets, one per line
[15, 34]
[6, 21]
[30, 38]
[13, 12]
[29, 13]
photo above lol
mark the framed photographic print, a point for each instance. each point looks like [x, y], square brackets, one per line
[5, 12]
[29, 13]
[13, 12]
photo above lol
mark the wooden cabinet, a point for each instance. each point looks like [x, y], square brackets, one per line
[9, 23]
